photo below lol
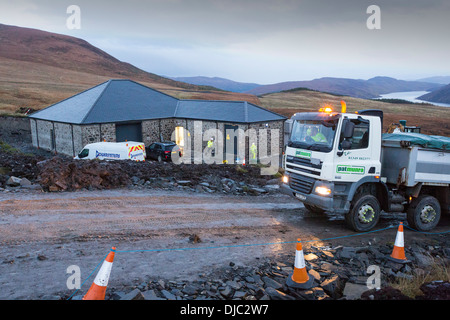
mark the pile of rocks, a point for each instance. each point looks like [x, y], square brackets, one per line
[339, 273]
[15, 167]
[209, 184]
[64, 174]
[12, 183]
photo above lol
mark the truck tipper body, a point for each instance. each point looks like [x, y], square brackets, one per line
[343, 163]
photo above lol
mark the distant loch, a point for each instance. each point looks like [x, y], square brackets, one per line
[411, 96]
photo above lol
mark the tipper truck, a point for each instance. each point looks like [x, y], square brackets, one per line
[342, 163]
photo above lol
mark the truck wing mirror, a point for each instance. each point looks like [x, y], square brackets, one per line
[344, 145]
[349, 129]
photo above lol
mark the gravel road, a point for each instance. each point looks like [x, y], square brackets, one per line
[42, 234]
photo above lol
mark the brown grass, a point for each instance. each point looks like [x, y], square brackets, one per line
[33, 85]
[432, 119]
[411, 287]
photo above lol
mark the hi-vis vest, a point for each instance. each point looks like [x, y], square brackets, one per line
[319, 137]
[253, 150]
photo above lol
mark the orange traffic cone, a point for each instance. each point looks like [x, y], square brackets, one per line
[97, 290]
[398, 254]
[300, 278]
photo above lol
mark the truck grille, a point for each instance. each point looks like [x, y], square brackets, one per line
[303, 162]
[317, 173]
[301, 183]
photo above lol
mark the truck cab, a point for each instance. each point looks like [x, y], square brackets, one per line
[329, 155]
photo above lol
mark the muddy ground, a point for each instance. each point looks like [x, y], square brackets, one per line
[42, 234]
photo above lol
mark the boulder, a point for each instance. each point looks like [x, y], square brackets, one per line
[270, 283]
[423, 260]
[227, 292]
[13, 181]
[277, 295]
[436, 290]
[347, 253]
[168, 295]
[24, 182]
[184, 182]
[354, 291]
[190, 290]
[150, 295]
[136, 294]
[333, 287]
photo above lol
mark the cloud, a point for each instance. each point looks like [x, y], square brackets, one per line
[256, 40]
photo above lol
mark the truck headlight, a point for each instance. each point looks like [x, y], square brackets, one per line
[285, 179]
[324, 191]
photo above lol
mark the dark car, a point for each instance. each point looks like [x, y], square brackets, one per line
[162, 151]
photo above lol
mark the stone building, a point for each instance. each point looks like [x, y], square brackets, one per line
[124, 110]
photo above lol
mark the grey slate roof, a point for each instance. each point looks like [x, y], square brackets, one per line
[126, 100]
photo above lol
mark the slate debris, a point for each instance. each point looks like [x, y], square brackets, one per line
[336, 278]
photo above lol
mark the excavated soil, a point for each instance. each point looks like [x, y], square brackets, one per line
[65, 174]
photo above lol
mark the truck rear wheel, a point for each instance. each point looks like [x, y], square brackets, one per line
[364, 213]
[313, 209]
[424, 213]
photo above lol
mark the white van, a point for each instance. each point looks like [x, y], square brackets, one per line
[113, 151]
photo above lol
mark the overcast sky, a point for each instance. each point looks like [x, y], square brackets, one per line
[256, 40]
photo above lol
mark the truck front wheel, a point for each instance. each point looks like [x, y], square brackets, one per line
[364, 213]
[424, 213]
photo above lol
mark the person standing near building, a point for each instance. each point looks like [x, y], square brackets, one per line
[211, 148]
[254, 151]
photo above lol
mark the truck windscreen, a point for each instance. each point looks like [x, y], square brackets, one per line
[315, 135]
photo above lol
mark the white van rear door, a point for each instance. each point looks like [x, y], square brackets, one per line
[136, 152]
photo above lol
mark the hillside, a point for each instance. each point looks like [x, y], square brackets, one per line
[39, 68]
[69, 53]
[437, 79]
[303, 100]
[366, 89]
[441, 95]
[221, 83]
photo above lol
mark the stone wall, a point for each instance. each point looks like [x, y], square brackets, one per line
[77, 139]
[63, 139]
[193, 134]
[108, 132]
[166, 127]
[12, 128]
[44, 135]
[197, 133]
[66, 138]
[90, 134]
[265, 132]
[34, 137]
[150, 131]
